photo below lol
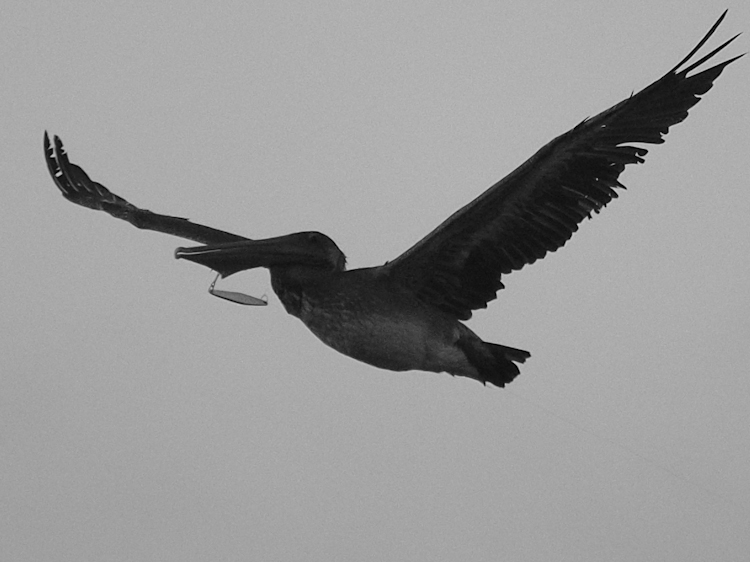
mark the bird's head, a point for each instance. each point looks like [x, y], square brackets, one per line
[312, 250]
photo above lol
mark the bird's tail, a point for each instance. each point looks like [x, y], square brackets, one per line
[495, 364]
[505, 368]
[508, 353]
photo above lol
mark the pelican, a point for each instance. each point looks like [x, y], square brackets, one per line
[406, 314]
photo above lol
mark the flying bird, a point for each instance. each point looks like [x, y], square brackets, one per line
[406, 314]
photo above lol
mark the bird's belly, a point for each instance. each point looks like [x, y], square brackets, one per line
[398, 342]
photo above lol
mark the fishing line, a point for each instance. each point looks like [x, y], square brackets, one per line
[617, 445]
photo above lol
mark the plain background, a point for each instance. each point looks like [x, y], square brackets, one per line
[142, 419]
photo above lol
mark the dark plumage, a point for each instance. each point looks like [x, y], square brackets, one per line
[405, 314]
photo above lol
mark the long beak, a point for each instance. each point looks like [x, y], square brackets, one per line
[232, 257]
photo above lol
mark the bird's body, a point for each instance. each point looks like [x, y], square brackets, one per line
[362, 315]
[368, 316]
[406, 314]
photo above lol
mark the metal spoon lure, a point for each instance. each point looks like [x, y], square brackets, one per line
[239, 298]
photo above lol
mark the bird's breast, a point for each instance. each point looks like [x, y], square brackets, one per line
[388, 331]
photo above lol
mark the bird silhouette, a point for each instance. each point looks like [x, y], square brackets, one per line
[407, 313]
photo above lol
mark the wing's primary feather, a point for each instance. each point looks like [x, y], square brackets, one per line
[537, 208]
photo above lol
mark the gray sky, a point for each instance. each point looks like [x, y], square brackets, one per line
[142, 419]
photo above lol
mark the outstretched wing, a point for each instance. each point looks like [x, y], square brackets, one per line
[76, 186]
[537, 208]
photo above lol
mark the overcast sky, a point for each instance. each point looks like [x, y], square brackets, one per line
[141, 419]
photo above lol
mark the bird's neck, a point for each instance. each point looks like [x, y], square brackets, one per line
[292, 284]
